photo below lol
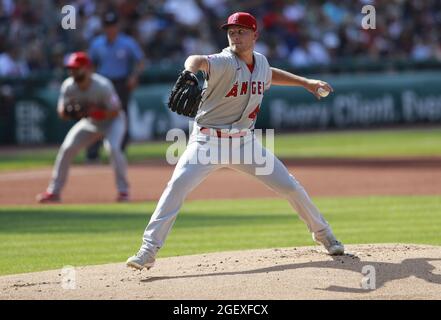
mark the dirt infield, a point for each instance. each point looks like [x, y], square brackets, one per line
[402, 271]
[94, 184]
[392, 271]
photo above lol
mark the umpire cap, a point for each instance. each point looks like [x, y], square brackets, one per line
[110, 18]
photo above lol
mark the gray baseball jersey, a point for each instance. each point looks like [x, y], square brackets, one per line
[232, 94]
[231, 100]
[100, 94]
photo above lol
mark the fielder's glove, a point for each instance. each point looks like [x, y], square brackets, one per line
[74, 110]
[185, 96]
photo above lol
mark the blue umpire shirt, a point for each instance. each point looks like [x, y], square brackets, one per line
[115, 60]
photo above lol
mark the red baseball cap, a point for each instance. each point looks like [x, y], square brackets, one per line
[242, 19]
[78, 60]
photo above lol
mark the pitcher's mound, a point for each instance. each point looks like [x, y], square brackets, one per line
[381, 271]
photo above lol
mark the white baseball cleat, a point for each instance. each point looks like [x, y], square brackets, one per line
[140, 261]
[328, 240]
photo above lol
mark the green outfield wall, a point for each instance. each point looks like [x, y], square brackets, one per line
[28, 114]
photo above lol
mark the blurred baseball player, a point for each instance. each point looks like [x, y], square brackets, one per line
[235, 81]
[91, 99]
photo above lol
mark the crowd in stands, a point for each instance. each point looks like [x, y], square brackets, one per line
[298, 32]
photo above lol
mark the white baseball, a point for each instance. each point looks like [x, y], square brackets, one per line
[322, 92]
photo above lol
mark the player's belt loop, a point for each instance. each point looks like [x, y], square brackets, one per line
[222, 134]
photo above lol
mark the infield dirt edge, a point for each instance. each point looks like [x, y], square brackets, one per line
[402, 271]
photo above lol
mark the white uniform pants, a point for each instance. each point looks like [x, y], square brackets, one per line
[83, 134]
[189, 173]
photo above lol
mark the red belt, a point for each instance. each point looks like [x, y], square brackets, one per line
[221, 134]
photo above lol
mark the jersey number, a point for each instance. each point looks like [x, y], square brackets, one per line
[253, 115]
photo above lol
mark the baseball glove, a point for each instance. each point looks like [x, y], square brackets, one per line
[75, 110]
[185, 96]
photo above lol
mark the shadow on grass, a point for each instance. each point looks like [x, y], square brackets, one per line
[385, 271]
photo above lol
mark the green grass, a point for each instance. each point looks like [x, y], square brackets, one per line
[30, 159]
[35, 158]
[38, 238]
[358, 144]
[372, 144]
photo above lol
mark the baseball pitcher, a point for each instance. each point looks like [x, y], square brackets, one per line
[91, 99]
[225, 113]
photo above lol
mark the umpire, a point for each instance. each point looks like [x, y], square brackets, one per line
[119, 58]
